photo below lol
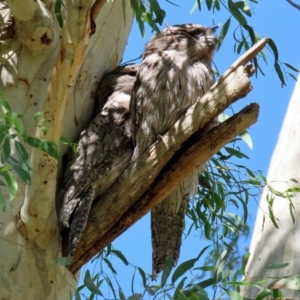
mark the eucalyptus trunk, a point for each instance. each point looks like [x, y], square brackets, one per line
[271, 245]
[55, 71]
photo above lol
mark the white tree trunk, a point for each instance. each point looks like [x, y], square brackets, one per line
[271, 245]
[57, 76]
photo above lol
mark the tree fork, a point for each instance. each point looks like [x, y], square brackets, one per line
[114, 214]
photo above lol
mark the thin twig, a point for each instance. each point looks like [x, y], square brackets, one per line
[293, 4]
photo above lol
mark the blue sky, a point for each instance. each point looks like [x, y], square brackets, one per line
[275, 19]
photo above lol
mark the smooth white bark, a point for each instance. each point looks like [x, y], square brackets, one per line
[28, 228]
[271, 245]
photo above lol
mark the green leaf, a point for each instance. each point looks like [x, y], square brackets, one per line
[250, 173]
[139, 9]
[271, 214]
[292, 75]
[280, 74]
[3, 131]
[263, 294]
[132, 282]
[240, 283]
[159, 13]
[245, 136]
[2, 201]
[179, 288]
[206, 283]
[109, 264]
[16, 123]
[223, 33]
[146, 16]
[63, 261]
[234, 295]
[196, 5]
[22, 153]
[11, 183]
[183, 268]
[240, 46]
[77, 295]
[224, 274]
[57, 10]
[166, 271]
[149, 290]
[15, 266]
[208, 4]
[44, 129]
[6, 105]
[217, 4]
[17, 167]
[253, 36]
[245, 209]
[51, 148]
[108, 249]
[18, 126]
[90, 284]
[220, 264]
[291, 67]
[64, 140]
[199, 4]
[202, 251]
[253, 181]
[121, 294]
[121, 256]
[236, 12]
[244, 7]
[5, 153]
[34, 142]
[26, 171]
[143, 275]
[201, 293]
[136, 297]
[235, 152]
[38, 114]
[274, 49]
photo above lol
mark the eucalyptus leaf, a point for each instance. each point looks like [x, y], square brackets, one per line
[5, 151]
[166, 271]
[2, 201]
[90, 284]
[11, 184]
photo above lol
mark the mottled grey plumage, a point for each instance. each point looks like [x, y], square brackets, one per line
[175, 72]
[103, 152]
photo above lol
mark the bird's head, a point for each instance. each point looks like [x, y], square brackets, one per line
[195, 41]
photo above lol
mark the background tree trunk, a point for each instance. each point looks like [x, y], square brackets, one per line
[272, 245]
[57, 76]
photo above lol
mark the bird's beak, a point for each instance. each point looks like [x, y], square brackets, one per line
[214, 29]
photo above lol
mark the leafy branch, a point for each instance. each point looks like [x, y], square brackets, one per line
[14, 156]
